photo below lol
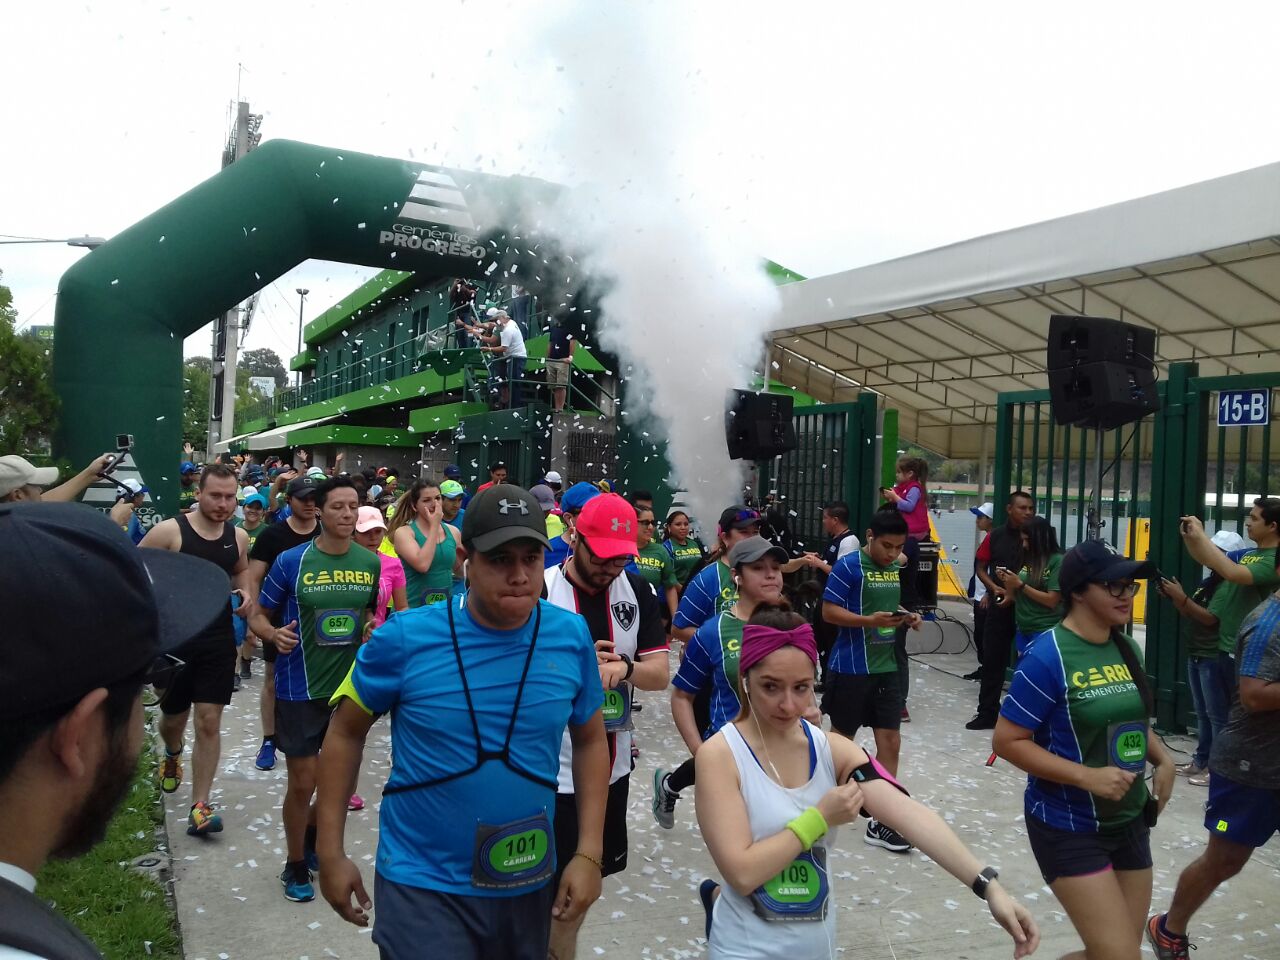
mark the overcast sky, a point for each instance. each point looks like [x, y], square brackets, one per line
[836, 135]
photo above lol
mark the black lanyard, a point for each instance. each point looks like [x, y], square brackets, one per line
[483, 756]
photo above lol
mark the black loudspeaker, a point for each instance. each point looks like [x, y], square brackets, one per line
[758, 426]
[1102, 372]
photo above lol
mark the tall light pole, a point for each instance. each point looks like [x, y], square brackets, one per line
[89, 243]
[302, 299]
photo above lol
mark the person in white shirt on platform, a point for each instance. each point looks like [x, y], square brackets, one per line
[510, 347]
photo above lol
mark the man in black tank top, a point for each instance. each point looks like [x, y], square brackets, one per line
[206, 532]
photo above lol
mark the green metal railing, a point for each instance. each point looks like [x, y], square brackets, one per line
[835, 459]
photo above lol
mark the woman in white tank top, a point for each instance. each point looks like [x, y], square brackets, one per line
[771, 788]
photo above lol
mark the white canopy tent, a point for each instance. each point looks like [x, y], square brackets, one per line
[270, 439]
[941, 334]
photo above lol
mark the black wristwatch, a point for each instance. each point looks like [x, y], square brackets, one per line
[631, 667]
[984, 880]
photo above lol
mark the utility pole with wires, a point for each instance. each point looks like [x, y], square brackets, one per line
[244, 135]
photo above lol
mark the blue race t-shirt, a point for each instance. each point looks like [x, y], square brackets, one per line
[711, 659]
[708, 593]
[860, 585]
[1072, 694]
[427, 836]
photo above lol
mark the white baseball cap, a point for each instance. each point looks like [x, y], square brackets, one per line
[17, 472]
[1228, 540]
[552, 477]
[987, 510]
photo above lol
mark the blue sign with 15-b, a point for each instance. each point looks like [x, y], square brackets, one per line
[1244, 408]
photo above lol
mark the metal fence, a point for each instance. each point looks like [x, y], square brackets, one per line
[834, 459]
[1174, 463]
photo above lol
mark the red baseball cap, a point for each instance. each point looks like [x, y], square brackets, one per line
[608, 524]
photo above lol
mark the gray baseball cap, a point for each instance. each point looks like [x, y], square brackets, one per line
[752, 549]
[500, 514]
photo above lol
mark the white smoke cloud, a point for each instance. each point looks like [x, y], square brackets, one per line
[607, 98]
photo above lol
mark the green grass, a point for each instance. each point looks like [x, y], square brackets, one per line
[116, 908]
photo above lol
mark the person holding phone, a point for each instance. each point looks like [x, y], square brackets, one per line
[1077, 721]
[1037, 603]
[1210, 673]
[863, 685]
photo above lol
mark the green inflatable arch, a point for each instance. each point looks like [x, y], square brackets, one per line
[124, 309]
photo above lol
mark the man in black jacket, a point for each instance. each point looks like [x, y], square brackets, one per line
[999, 629]
[71, 691]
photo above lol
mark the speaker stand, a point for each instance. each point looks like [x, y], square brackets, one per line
[1096, 523]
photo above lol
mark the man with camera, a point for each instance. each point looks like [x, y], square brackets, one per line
[20, 479]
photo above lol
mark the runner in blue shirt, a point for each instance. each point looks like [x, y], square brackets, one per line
[711, 664]
[480, 690]
[712, 589]
[864, 687]
[1076, 719]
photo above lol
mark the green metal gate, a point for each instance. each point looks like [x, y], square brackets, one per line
[1174, 463]
[834, 459]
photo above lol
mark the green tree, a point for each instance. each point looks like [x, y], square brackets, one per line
[28, 403]
[264, 362]
[195, 398]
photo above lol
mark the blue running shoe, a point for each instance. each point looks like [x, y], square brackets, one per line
[297, 883]
[266, 755]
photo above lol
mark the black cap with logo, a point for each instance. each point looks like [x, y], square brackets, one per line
[303, 487]
[94, 609]
[500, 514]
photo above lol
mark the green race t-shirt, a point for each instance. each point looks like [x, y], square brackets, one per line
[1072, 694]
[1235, 601]
[686, 558]
[1030, 616]
[657, 566]
[187, 496]
[1202, 641]
[861, 586]
[253, 534]
[327, 594]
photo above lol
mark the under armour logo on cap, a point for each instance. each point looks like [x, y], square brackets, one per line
[505, 506]
[623, 525]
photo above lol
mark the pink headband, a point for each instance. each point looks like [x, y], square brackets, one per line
[760, 641]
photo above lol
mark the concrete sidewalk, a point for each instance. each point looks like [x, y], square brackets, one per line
[891, 907]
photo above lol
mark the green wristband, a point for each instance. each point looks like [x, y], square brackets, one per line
[808, 827]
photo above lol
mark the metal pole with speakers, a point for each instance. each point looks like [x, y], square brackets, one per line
[1102, 375]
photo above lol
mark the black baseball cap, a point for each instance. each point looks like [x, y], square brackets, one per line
[500, 514]
[738, 517]
[303, 487]
[1096, 561]
[94, 609]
